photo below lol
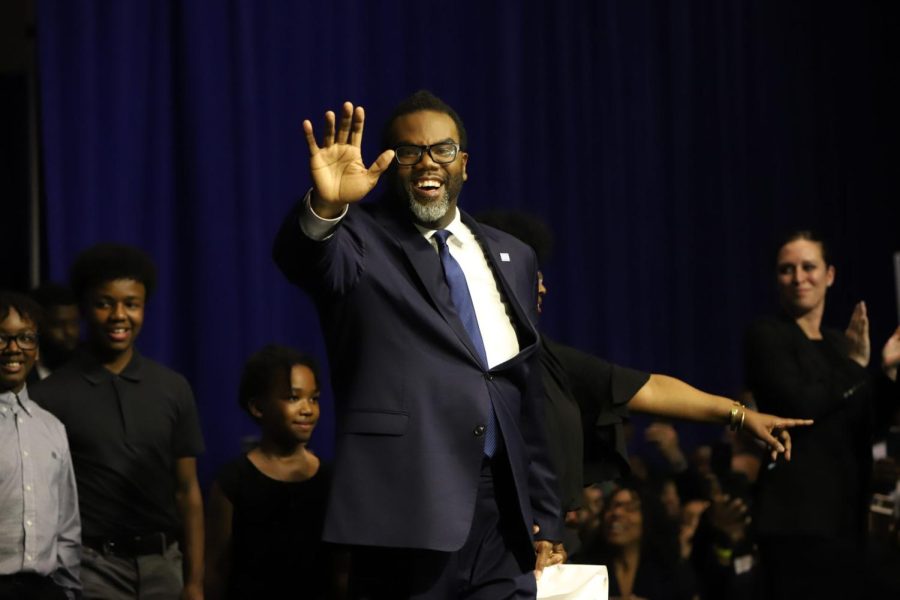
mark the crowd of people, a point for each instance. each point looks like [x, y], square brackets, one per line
[491, 454]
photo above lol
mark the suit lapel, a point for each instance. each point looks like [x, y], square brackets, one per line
[492, 247]
[426, 265]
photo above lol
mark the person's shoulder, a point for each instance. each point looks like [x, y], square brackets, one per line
[59, 386]
[233, 471]
[155, 367]
[836, 339]
[769, 325]
[162, 374]
[511, 250]
[498, 235]
[50, 421]
[325, 471]
[64, 375]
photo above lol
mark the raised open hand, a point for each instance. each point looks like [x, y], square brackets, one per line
[773, 431]
[858, 335]
[338, 173]
[890, 355]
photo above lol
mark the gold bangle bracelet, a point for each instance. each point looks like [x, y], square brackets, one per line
[736, 423]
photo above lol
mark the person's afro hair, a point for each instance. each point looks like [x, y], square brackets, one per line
[107, 262]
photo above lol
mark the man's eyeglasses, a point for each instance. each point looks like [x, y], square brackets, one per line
[25, 341]
[442, 153]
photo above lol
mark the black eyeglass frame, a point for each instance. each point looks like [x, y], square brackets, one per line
[426, 148]
[29, 345]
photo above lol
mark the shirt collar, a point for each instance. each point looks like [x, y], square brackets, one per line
[8, 400]
[455, 227]
[96, 373]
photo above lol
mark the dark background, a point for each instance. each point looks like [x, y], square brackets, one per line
[669, 144]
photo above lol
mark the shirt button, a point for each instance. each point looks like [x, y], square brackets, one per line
[21, 420]
[27, 488]
[28, 523]
[25, 453]
[27, 557]
[478, 431]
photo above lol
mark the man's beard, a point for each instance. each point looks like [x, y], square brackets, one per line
[434, 211]
[431, 212]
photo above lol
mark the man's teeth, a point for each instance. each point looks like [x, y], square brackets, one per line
[428, 185]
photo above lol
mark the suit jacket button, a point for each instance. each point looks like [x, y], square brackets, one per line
[488, 376]
[478, 431]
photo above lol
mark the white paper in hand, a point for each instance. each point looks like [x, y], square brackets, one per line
[574, 582]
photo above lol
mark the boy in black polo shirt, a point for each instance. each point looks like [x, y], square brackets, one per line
[134, 436]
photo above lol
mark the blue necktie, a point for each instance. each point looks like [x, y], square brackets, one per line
[462, 301]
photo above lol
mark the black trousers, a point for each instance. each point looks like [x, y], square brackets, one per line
[29, 586]
[495, 563]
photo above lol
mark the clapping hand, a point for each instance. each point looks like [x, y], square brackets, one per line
[338, 173]
[858, 335]
[890, 355]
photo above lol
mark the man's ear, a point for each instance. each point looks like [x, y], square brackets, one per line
[829, 276]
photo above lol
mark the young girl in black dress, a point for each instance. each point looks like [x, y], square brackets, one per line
[266, 508]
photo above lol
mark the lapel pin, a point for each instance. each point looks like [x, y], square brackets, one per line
[504, 256]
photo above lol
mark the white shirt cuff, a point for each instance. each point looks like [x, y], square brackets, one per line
[314, 226]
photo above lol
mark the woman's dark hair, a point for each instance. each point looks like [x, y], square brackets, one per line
[804, 234]
[22, 304]
[419, 101]
[106, 262]
[265, 368]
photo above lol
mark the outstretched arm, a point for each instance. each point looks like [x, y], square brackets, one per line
[670, 397]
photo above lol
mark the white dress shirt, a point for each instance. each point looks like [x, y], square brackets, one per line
[497, 332]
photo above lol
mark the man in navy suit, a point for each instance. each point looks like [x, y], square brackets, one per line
[442, 483]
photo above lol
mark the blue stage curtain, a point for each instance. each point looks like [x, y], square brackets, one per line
[667, 143]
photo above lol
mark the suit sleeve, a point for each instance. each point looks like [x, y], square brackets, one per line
[544, 488]
[332, 265]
